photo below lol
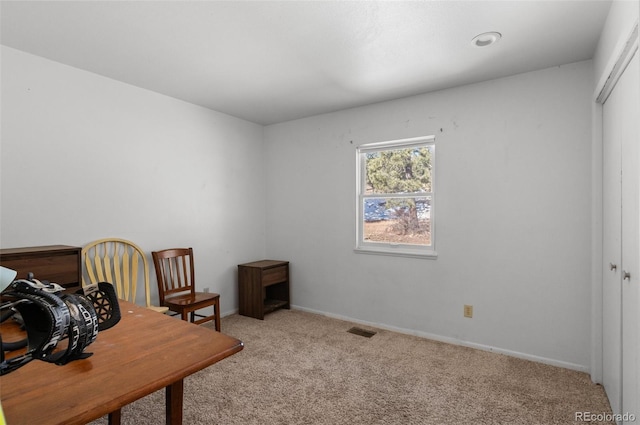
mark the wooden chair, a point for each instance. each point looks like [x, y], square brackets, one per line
[121, 263]
[176, 286]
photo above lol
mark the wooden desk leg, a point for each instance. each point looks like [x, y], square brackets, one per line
[173, 401]
[114, 417]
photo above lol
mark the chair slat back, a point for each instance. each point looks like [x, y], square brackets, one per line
[174, 270]
[119, 262]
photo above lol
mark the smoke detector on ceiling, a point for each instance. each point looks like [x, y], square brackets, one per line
[486, 39]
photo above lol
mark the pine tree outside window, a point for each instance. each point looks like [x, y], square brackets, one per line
[396, 198]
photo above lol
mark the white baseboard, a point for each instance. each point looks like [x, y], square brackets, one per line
[228, 313]
[449, 340]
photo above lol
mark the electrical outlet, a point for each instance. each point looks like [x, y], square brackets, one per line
[468, 311]
[206, 289]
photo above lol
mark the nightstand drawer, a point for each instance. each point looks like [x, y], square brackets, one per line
[274, 275]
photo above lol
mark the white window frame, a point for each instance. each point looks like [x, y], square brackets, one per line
[381, 248]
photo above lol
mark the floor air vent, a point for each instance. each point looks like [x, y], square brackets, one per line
[361, 332]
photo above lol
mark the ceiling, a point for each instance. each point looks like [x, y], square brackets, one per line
[274, 61]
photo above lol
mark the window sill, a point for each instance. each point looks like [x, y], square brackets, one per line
[397, 252]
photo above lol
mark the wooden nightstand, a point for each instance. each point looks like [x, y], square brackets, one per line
[263, 286]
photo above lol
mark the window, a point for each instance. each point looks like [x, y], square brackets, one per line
[395, 197]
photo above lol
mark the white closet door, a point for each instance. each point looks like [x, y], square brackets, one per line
[621, 243]
[630, 128]
[611, 251]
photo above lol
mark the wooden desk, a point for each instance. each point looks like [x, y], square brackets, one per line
[55, 263]
[145, 352]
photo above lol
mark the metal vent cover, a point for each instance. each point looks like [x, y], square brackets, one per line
[362, 332]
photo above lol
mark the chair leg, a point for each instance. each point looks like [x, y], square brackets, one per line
[184, 315]
[216, 307]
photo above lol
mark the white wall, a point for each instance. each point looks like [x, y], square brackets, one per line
[85, 157]
[513, 215]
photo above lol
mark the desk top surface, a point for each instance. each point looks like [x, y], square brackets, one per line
[38, 249]
[145, 352]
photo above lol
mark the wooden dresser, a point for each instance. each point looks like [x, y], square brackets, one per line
[56, 263]
[263, 286]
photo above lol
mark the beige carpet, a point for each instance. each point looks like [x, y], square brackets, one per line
[301, 368]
